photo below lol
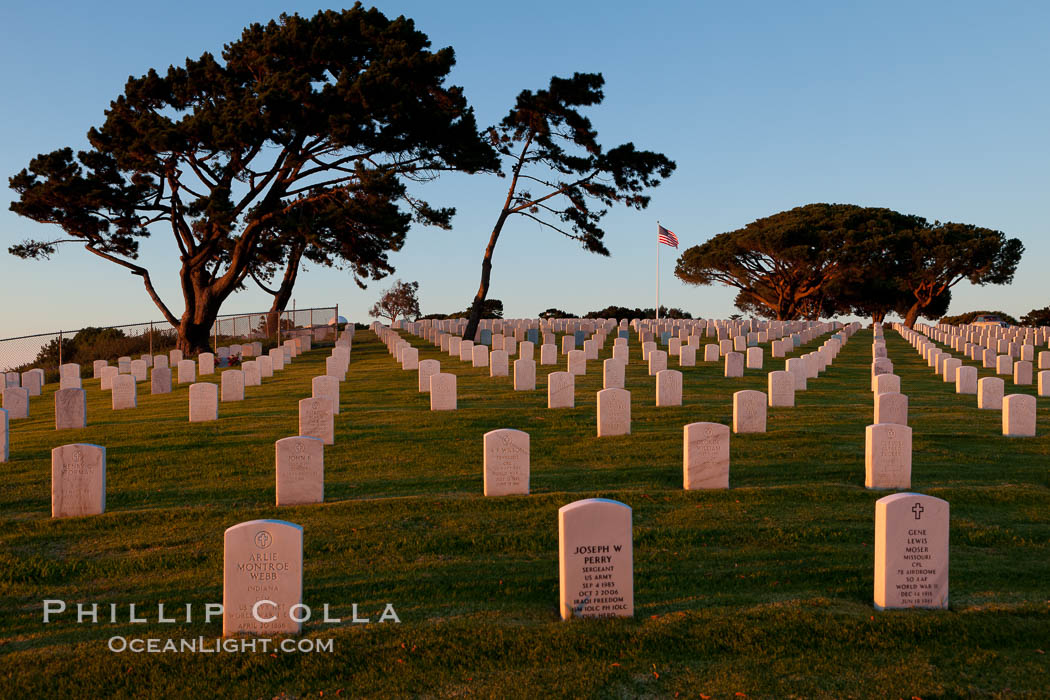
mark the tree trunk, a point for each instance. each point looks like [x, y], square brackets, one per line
[878, 317]
[195, 337]
[486, 272]
[913, 315]
[202, 308]
[284, 292]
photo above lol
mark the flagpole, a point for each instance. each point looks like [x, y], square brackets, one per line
[657, 269]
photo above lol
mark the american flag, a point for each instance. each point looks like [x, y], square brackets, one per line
[666, 237]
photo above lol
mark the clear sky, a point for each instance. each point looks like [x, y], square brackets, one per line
[940, 109]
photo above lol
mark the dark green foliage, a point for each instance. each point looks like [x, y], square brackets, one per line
[295, 142]
[828, 259]
[560, 176]
[492, 308]
[555, 313]
[969, 316]
[1036, 317]
[620, 312]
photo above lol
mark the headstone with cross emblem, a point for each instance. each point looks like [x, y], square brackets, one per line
[300, 470]
[887, 456]
[506, 466]
[262, 582]
[911, 552]
[78, 480]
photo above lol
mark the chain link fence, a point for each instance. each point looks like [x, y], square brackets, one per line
[48, 350]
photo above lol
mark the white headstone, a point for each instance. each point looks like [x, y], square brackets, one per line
[749, 411]
[232, 385]
[887, 456]
[1022, 373]
[911, 552]
[613, 374]
[69, 376]
[300, 470]
[734, 364]
[425, 370]
[252, 376]
[499, 363]
[561, 390]
[443, 392]
[204, 402]
[990, 392]
[577, 362]
[16, 402]
[1019, 415]
[614, 412]
[506, 463]
[265, 363]
[781, 388]
[886, 384]
[70, 409]
[327, 387]
[78, 480]
[705, 456]
[125, 394]
[754, 358]
[276, 359]
[31, 382]
[206, 363]
[262, 581]
[317, 420]
[595, 559]
[669, 388]
[187, 371]
[891, 408]
[657, 362]
[548, 354]
[524, 375]
[160, 380]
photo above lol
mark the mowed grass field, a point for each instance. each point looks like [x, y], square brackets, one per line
[763, 590]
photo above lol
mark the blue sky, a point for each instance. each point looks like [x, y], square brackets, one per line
[940, 109]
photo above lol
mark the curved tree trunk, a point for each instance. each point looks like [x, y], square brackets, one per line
[283, 294]
[486, 272]
[878, 316]
[913, 315]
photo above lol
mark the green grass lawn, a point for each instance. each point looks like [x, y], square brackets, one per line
[764, 589]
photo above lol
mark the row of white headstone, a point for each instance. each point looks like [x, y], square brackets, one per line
[1018, 410]
[78, 471]
[595, 564]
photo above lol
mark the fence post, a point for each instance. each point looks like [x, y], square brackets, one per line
[215, 342]
[151, 340]
[60, 351]
[335, 321]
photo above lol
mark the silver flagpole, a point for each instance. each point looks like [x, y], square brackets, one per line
[658, 270]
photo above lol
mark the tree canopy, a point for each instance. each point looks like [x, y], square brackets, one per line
[827, 259]
[1036, 317]
[275, 150]
[969, 316]
[560, 176]
[401, 299]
